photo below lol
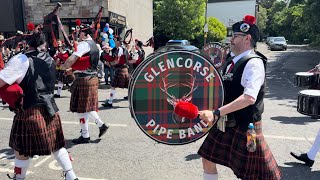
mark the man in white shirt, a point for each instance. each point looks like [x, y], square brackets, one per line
[244, 82]
[36, 130]
[84, 90]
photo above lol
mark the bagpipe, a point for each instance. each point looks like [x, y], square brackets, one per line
[83, 63]
[49, 31]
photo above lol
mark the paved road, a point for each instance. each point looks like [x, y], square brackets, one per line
[126, 153]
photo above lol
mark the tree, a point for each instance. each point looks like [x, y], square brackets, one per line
[217, 31]
[179, 19]
[262, 20]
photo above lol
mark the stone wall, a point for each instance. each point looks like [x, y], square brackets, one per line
[36, 9]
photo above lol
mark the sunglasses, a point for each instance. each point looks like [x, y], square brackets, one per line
[234, 35]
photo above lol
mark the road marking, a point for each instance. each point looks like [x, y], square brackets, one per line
[7, 170]
[42, 161]
[82, 178]
[5, 156]
[124, 125]
[70, 122]
[290, 138]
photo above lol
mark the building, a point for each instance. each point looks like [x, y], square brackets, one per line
[231, 11]
[120, 14]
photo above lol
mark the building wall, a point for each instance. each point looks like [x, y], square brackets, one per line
[36, 9]
[230, 12]
[139, 15]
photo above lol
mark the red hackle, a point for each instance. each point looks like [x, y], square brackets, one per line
[186, 109]
[78, 22]
[30, 26]
[249, 19]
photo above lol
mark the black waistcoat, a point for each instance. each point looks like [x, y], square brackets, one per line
[234, 89]
[94, 55]
[39, 81]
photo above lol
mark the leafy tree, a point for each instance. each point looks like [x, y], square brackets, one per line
[179, 19]
[217, 31]
[267, 3]
[312, 19]
[262, 20]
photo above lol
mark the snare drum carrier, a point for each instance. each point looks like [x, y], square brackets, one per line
[234, 89]
[308, 102]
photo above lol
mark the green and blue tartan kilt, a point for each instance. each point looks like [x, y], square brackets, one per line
[34, 132]
[229, 149]
[121, 78]
[84, 95]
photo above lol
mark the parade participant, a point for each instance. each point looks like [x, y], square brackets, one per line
[61, 56]
[245, 87]
[121, 79]
[84, 90]
[1, 57]
[310, 156]
[141, 54]
[36, 130]
[106, 57]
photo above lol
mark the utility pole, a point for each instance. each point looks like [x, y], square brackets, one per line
[206, 24]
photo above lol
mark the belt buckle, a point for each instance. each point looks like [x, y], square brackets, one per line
[221, 124]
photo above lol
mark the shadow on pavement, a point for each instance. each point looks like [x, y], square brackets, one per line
[69, 143]
[8, 152]
[192, 157]
[294, 120]
[298, 171]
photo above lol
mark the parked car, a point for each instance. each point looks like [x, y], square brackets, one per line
[175, 45]
[278, 43]
[268, 40]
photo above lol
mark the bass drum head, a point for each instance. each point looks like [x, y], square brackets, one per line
[163, 80]
[216, 53]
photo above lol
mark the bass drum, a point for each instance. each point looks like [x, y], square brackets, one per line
[309, 103]
[161, 81]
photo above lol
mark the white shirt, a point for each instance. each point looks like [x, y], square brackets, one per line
[120, 52]
[253, 75]
[83, 48]
[15, 69]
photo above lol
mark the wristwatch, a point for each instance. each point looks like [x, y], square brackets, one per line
[217, 113]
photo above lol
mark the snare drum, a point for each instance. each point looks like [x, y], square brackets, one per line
[308, 102]
[306, 79]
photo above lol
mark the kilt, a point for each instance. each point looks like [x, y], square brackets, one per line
[84, 94]
[121, 78]
[229, 149]
[34, 132]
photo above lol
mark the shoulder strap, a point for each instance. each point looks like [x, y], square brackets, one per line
[243, 60]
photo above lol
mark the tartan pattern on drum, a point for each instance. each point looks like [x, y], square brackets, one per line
[149, 102]
[84, 95]
[34, 132]
[229, 149]
[121, 78]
